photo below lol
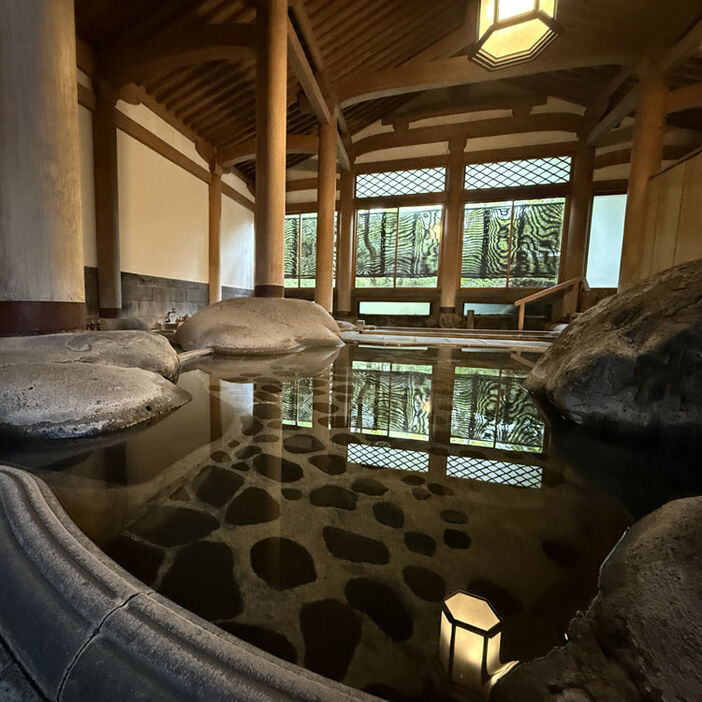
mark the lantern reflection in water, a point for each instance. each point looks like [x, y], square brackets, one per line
[469, 646]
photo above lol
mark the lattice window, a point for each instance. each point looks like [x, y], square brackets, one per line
[493, 408]
[489, 471]
[509, 174]
[512, 244]
[301, 250]
[391, 399]
[297, 399]
[412, 182]
[387, 457]
[398, 247]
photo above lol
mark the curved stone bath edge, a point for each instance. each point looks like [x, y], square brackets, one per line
[83, 628]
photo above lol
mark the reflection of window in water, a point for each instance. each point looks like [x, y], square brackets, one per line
[297, 402]
[387, 457]
[391, 399]
[493, 408]
[493, 471]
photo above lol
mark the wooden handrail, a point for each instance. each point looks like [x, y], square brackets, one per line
[546, 292]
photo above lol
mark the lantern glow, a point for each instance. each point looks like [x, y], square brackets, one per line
[513, 31]
[469, 645]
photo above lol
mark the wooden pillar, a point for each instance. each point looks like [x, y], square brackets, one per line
[646, 159]
[345, 251]
[578, 224]
[215, 227]
[41, 233]
[106, 202]
[271, 113]
[450, 259]
[326, 205]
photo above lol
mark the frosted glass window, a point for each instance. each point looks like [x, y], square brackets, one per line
[404, 308]
[605, 247]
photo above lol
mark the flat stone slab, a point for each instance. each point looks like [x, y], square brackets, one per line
[67, 400]
[258, 325]
[126, 349]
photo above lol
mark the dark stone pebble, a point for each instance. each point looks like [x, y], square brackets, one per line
[275, 388]
[329, 463]
[234, 443]
[564, 555]
[354, 547]
[218, 486]
[282, 563]
[420, 493]
[253, 426]
[424, 583]
[267, 640]
[219, 456]
[303, 443]
[201, 579]
[181, 494]
[382, 604]
[343, 439]
[333, 496]
[266, 410]
[420, 543]
[331, 631]
[502, 601]
[454, 538]
[173, 526]
[277, 468]
[141, 560]
[413, 480]
[439, 489]
[453, 516]
[265, 438]
[248, 452]
[253, 506]
[389, 514]
[291, 494]
[368, 486]
[241, 465]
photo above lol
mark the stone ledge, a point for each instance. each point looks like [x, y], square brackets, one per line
[83, 628]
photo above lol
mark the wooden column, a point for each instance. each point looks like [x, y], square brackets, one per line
[271, 112]
[646, 159]
[106, 202]
[578, 224]
[326, 205]
[41, 231]
[215, 220]
[450, 259]
[345, 250]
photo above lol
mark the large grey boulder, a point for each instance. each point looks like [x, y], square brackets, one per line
[641, 638]
[128, 349]
[634, 361]
[60, 400]
[251, 325]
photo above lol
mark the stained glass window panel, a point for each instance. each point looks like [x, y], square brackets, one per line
[308, 250]
[418, 244]
[375, 255]
[486, 229]
[292, 250]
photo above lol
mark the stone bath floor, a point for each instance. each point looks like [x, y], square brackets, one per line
[15, 686]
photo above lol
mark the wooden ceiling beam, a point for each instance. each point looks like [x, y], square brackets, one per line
[547, 122]
[671, 152]
[246, 150]
[678, 55]
[230, 41]
[461, 71]
[685, 98]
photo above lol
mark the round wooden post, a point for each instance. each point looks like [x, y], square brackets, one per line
[326, 205]
[646, 159]
[215, 226]
[271, 114]
[345, 250]
[41, 233]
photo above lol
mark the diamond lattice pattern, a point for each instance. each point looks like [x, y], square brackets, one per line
[387, 457]
[489, 471]
[412, 182]
[505, 174]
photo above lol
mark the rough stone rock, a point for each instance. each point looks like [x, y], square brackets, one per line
[249, 325]
[420, 543]
[218, 485]
[174, 526]
[282, 563]
[329, 463]
[66, 400]
[126, 349]
[389, 514]
[646, 617]
[454, 538]
[349, 546]
[253, 506]
[333, 496]
[368, 486]
[634, 361]
[277, 468]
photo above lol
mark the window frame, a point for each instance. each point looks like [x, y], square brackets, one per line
[300, 214]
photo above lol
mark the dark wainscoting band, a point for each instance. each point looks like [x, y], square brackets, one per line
[269, 291]
[447, 310]
[229, 291]
[25, 317]
[110, 312]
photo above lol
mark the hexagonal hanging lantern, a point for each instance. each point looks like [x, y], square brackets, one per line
[513, 31]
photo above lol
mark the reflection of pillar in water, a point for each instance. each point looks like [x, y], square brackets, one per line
[321, 397]
[268, 412]
[342, 387]
[442, 396]
[215, 386]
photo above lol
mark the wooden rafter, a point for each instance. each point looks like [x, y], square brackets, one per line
[246, 150]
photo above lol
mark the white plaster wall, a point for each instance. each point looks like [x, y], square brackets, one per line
[237, 245]
[163, 213]
[87, 185]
